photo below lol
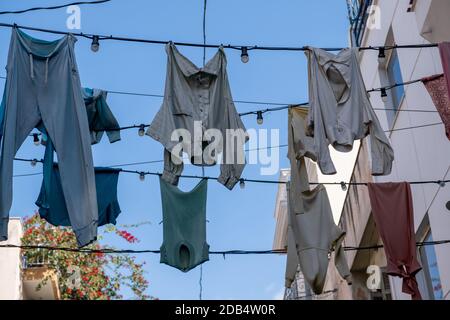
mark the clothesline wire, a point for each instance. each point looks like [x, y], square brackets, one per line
[439, 182]
[201, 45]
[54, 7]
[284, 106]
[223, 253]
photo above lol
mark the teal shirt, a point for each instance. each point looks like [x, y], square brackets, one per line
[184, 226]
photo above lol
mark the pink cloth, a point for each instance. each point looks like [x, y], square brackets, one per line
[392, 209]
[438, 88]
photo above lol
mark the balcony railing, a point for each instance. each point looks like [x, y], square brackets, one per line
[358, 15]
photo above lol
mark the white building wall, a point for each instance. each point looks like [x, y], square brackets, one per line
[10, 263]
[422, 153]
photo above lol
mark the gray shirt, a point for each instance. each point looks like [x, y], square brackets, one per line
[199, 94]
[312, 236]
[340, 111]
[299, 147]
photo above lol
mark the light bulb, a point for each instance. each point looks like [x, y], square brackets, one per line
[384, 95]
[381, 55]
[242, 183]
[259, 117]
[141, 176]
[141, 131]
[36, 139]
[33, 162]
[343, 186]
[244, 55]
[441, 184]
[95, 45]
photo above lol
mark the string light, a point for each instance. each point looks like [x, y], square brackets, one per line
[438, 182]
[235, 47]
[141, 176]
[259, 117]
[33, 162]
[244, 55]
[442, 184]
[242, 183]
[384, 95]
[141, 131]
[381, 55]
[95, 44]
[36, 140]
[343, 186]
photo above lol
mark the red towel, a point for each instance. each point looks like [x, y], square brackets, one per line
[437, 87]
[392, 209]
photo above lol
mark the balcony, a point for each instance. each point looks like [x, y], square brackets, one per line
[358, 15]
[40, 283]
[433, 19]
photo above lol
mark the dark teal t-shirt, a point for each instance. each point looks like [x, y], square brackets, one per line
[52, 205]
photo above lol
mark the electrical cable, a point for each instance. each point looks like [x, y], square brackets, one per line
[204, 35]
[55, 7]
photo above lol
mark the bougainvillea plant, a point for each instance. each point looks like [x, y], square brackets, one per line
[96, 276]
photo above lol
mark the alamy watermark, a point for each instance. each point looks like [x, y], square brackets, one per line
[373, 17]
[74, 19]
[374, 280]
[212, 146]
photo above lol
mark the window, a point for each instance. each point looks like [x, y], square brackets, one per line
[394, 75]
[428, 278]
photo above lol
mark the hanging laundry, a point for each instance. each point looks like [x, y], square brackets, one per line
[438, 87]
[184, 226]
[52, 204]
[438, 90]
[198, 99]
[43, 85]
[392, 209]
[299, 146]
[100, 117]
[340, 110]
[314, 235]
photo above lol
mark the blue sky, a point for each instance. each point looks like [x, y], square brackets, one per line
[238, 219]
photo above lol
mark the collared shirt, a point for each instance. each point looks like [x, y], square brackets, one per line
[340, 110]
[203, 96]
[100, 117]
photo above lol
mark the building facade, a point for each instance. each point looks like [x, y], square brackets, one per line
[11, 263]
[417, 135]
[20, 279]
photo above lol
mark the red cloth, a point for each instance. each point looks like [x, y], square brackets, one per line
[438, 89]
[392, 209]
